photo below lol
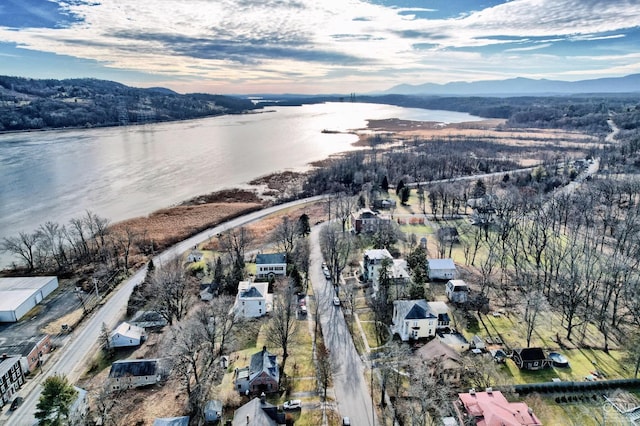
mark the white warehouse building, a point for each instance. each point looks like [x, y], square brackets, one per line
[21, 294]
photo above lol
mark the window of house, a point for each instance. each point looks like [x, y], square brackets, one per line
[259, 311]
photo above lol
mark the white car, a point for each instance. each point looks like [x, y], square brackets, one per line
[336, 301]
[293, 404]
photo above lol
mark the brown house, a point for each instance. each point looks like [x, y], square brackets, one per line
[32, 352]
[262, 375]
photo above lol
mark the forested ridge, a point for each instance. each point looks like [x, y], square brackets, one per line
[28, 104]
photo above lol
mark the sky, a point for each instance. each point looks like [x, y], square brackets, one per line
[317, 46]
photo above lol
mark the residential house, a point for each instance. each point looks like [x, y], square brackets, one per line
[258, 412]
[457, 291]
[149, 320]
[127, 335]
[11, 377]
[261, 375]
[271, 265]
[172, 421]
[491, 408]
[370, 266]
[530, 359]
[253, 299]
[213, 411]
[366, 221]
[444, 362]
[441, 269]
[133, 373]
[33, 352]
[384, 204]
[418, 319]
[448, 235]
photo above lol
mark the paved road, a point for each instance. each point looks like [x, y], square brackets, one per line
[72, 358]
[349, 385]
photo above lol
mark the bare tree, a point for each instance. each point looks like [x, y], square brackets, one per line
[217, 322]
[24, 246]
[124, 241]
[234, 242]
[168, 293]
[187, 353]
[343, 206]
[283, 324]
[336, 248]
[285, 235]
[323, 366]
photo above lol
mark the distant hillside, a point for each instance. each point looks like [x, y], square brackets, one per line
[523, 86]
[27, 104]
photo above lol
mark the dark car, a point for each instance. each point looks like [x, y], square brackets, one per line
[15, 403]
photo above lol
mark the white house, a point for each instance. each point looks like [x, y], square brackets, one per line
[253, 299]
[417, 319]
[271, 265]
[441, 269]
[371, 264]
[126, 335]
[457, 291]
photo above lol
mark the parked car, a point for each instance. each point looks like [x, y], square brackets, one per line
[294, 404]
[15, 403]
[346, 421]
[336, 301]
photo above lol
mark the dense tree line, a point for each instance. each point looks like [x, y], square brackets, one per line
[27, 104]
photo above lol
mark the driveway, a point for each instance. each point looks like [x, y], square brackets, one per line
[350, 387]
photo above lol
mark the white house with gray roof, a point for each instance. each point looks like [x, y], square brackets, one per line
[418, 319]
[253, 299]
[442, 269]
[271, 265]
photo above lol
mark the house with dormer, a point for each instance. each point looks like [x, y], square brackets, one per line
[261, 375]
[271, 265]
[253, 299]
[418, 319]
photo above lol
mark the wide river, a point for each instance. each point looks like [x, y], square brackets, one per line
[124, 172]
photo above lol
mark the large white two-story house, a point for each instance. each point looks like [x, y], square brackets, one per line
[253, 299]
[271, 265]
[418, 319]
[372, 262]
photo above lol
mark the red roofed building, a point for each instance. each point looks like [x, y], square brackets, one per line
[491, 408]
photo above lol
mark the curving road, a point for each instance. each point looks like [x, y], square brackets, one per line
[72, 358]
[349, 384]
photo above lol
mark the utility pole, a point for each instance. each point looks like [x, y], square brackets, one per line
[95, 285]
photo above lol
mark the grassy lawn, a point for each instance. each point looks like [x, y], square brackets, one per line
[419, 230]
[590, 413]
[370, 333]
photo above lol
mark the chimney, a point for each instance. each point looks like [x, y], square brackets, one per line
[472, 391]
[264, 349]
[489, 391]
[248, 422]
[263, 398]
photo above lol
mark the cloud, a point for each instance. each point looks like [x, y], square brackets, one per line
[287, 40]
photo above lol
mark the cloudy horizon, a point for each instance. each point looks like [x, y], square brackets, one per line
[310, 47]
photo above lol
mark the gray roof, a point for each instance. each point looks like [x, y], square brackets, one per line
[258, 414]
[441, 264]
[271, 258]
[7, 363]
[172, 421]
[22, 348]
[214, 406]
[251, 292]
[134, 367]
[413, 309]
[263, 361]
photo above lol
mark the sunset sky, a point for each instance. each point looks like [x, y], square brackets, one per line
[317, 46]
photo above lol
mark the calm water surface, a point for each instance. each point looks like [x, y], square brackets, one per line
[124, 172]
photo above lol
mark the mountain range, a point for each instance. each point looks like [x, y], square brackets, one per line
[522, 86]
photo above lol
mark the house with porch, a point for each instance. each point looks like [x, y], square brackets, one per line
[418, 319]
[271, 265]
[261, 375]
[253, 299]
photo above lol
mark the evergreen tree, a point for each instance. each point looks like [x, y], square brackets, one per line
[218, 272]
[405, 193]
[55, 401]
[304, 228]
[399, 187]
[385, 184]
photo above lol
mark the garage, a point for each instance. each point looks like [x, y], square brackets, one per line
[19, 295]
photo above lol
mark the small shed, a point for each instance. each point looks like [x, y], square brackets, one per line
[213, 411]
[457, 291]
[477, 342]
